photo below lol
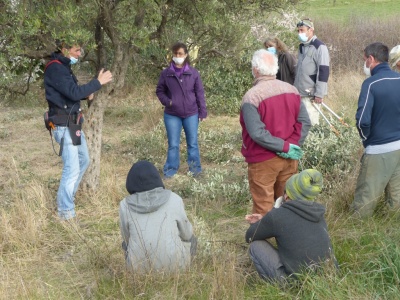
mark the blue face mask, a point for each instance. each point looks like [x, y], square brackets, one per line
[302, 37]
[73, 60]
[272, 50]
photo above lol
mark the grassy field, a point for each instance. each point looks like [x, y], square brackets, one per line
[43, 258]
[345, 10]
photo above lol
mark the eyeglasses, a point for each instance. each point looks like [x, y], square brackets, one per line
[305, 22]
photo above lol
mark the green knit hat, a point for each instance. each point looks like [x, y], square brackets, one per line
[305, 185]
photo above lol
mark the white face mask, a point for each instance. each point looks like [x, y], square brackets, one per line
[367, 70]
[303, 37]
[272, 50]
[178, 60]
[73, 60]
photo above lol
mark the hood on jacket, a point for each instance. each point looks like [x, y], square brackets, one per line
[143, 176]
[148, 201]
[310, 211]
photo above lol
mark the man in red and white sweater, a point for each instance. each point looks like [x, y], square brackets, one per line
[274, 124]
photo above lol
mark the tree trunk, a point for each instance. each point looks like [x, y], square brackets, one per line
[121, 53]
[93, 126]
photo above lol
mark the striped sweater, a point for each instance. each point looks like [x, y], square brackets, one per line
[272, 116]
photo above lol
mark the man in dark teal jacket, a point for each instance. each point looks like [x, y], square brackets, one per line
[378, 123]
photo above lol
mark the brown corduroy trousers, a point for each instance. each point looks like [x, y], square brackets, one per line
[267, 181]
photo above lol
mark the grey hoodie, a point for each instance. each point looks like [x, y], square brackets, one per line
[300, 231]
[156, 230]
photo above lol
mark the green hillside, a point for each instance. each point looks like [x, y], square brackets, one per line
[345, 10]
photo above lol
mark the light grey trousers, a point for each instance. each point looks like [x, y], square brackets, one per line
[266, 260]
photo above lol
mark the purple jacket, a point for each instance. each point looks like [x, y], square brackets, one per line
[182, 97]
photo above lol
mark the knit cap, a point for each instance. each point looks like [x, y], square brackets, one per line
[306, 22]
[305, 185]
[394, 56]
[143, 176]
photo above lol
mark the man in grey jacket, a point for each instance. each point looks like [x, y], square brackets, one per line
[157, 235]
[312, 69]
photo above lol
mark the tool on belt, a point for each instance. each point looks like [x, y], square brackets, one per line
[72, 121]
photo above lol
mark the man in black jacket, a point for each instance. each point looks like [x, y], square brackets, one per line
[298, 226]
[63, 95]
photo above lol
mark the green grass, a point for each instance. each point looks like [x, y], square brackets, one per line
[41, 258]
[344, 10]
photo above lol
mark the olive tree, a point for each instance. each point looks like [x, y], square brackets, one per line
[114, 32]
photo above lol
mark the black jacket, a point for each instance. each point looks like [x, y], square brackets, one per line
[287, 67]
[300, 231]
[61, 86]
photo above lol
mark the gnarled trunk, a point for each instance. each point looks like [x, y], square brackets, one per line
[93, 126]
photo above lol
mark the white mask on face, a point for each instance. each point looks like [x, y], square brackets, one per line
[367, 70]
[178, 60]
[303, 37]
[272, 50]
[73, 60]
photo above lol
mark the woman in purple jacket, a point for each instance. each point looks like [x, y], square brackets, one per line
[181, 92]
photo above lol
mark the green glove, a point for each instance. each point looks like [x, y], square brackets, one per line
[282, 154]
[294, 152]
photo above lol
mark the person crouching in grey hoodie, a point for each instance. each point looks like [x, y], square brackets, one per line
[298, 227]
[157, 235]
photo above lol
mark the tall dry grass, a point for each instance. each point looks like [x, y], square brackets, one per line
[43, 258]
[347, 40]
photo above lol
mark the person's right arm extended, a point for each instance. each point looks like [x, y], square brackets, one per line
[261, 230]
[61, 79]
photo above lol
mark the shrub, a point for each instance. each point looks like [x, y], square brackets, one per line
[222, 185]
[219, 146]
[333, 155]
[226, 80]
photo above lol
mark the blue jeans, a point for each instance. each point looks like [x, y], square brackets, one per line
[173, 125]
[75, 162]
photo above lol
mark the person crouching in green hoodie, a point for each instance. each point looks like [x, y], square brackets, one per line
[157, 235]
[299, 228]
